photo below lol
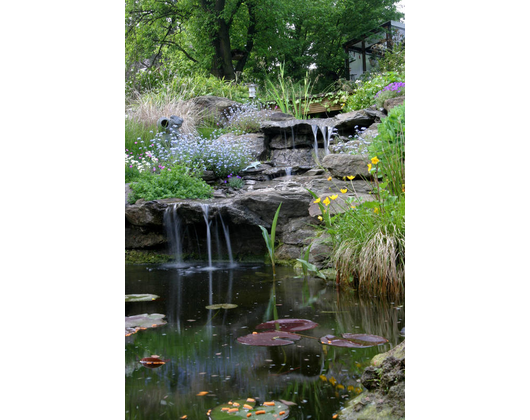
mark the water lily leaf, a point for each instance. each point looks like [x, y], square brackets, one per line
[136, 323]
[353, 340]
[366, 340]
[271, 338]
[269, 410]
[288, 325]
[222, 306]
[143, 297]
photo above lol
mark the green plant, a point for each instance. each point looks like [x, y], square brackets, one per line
[173, 182]
[270, 239]
[235, 182]
[390, 91]
[292, 98]
[364, 95]
[389, 147]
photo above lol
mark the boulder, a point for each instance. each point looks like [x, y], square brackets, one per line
[340, 165]
[213, 106]
[392, 102]
[385, 382]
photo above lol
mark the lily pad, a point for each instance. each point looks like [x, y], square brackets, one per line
[366, 340]
[222, 306]
[353, 340]
[142, 297]
[288, 325]
[269, 410]
[271, 338]
[135, 323]
[153, 362]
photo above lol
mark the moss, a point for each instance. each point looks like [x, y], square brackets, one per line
[146, 257]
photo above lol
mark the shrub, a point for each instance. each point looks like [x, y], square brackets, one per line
[389, 146]
[390, 91]
[174, 182]
[364, 95]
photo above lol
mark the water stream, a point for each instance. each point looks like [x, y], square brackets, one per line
[203, 354]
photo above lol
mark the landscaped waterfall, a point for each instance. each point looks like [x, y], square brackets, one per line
[215, 228]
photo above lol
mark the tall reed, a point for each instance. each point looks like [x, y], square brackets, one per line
[292, 98]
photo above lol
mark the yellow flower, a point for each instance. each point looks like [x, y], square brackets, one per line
[353, 207]
[369, 167]
[334, 196]
[330, 178]
[317, 200]
[320, 218]
[322, 377]
[344, 190]
[350, 177]
[376, 210]
[351, 388]
[326, 201]
[375, 161]
[339, 386]
[403, 187]
[332, 381]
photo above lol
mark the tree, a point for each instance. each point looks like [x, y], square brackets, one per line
[226, 37]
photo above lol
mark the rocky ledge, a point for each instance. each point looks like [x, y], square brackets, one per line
[244, 210]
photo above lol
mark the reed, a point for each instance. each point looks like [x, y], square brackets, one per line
[270, 239]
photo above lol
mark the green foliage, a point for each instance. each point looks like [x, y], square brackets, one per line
[270, 239]
[364, 95]
[368, 238]
[174, 182]
[389, 147]
[393, 60]
[291, 97]
[236, 182]
[176, 38]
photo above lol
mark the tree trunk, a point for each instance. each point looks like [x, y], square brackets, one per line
[222, 61]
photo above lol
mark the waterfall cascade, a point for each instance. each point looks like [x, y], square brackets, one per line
[176, 233]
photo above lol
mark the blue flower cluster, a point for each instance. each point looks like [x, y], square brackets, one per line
[222, 156]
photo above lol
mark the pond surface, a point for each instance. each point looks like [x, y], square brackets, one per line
[204, 356]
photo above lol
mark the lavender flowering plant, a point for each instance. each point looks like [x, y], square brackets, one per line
[389, 91]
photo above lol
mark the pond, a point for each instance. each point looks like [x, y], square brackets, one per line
[206, 366]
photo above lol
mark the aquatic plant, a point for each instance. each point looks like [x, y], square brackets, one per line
[270, 239]
[288, 325]
[353, 340]
[269, 338]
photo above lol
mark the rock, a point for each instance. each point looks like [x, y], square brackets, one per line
[293, 157]
[340, 165]
[392, 102]
[147, 213]
[138, 238]
[348, 120]
[280, 116]
[128, 191]
[213, 106]
[254, 141]
[385, 380]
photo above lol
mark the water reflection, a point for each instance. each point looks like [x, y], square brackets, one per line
[204, 355]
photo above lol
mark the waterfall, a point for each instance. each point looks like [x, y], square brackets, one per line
[288, 171]
[173, 227]
[205, 209]
[314, 127]
[227, 238]
[327, 132]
